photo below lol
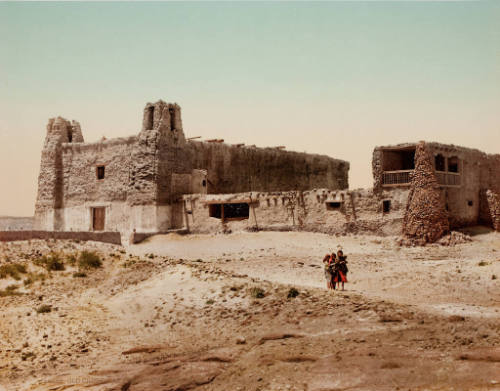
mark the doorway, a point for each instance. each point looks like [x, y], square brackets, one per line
[98, 218]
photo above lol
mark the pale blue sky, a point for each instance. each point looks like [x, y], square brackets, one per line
[331, 78]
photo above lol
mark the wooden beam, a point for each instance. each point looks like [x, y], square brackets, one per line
[194, 138]
[240, 201]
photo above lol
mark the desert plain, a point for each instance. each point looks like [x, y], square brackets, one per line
[250, 311]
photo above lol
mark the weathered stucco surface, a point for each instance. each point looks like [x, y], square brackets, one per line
[311, 210]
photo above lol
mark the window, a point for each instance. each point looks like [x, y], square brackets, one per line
[396, 160]
[386, 206]
[172, 118]
[333, 205]
[204, 183]
[150, 118]
[453, 164]
[439, 162]
[470, 203]
[100, 172]
[229, 211]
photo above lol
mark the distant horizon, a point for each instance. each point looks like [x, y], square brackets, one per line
[328, 78]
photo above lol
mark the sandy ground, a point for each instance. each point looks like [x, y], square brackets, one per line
[185, 313]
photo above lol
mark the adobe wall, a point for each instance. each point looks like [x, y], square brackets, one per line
[361, 211]
[233, 169]
[466, 204]
[479, 172]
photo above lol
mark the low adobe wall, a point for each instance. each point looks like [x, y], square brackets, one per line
[320, 210]
[105, 237]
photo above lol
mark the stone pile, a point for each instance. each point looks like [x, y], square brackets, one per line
[425, 219]
[454, 238]
[494, 206]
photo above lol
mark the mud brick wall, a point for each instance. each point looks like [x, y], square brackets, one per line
[80, 161]
[233, 170]
[358, 211]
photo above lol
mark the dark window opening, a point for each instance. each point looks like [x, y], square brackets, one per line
[386, 206]
[447, 207]
[150, 118]
[453, 164]
[100, 172]
[204, 183]
[470, 203]
[333, 205]
[172, 118]
[439, 162]
[399, 160]
[70, 135]
[237, 211]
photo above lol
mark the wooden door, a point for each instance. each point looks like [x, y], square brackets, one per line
[98, 217]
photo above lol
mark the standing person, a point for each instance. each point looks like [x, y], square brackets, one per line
[329, 261]
[341, 268]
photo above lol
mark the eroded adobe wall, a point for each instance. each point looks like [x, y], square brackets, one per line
[50, 180]
[359, 211]
[232, 169]
[479, 172]
[80, 162]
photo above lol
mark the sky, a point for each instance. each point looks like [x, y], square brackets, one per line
[334, 78]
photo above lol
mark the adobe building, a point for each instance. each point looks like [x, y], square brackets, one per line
[159, 181]
[137, 183]
[421, 190]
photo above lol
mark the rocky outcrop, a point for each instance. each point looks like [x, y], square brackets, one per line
[426, 219]
[494, 207]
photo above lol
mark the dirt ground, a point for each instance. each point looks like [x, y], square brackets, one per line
[218, 312]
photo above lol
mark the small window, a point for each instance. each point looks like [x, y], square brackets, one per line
[439, 162]
[204, 183]
[150, 118]
[172, 118]
[386, 206]
[333, 205]
[470, 203]
[100, 172]
[453, 164]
